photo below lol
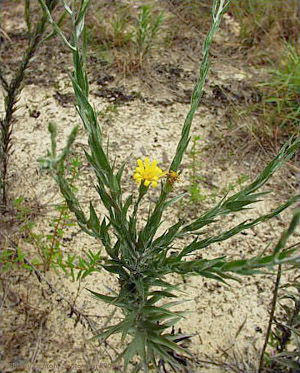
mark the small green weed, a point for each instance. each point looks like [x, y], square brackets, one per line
[11, 259]
[128, 39]
[146, 31]
[275, 116]
[111, 31]
[121, 36]
[49, 245]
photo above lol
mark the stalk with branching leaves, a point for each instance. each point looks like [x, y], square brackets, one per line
[142, 258]
[147, 29]
[13, 89]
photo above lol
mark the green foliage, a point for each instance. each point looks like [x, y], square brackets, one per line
[128, 38]
[262, 22]
[11, 259]
[48, 246]
[141, 258]
[121, 36]
[28, 16]
[146, 31]
[281, 92]
[277, 115]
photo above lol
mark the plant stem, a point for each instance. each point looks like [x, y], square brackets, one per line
[13, 89]
[193, 152]
[3, 81]
[55, 238]
[273, 307]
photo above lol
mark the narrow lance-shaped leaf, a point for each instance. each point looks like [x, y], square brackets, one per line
[27, 16]
[198, 90]
[239, 228]
[104, 235]
[247, 196]
[93, 222]
[109, 299]
[165, 239]
[55, 26]
[285, 236]
[218, 268]
[135, 347]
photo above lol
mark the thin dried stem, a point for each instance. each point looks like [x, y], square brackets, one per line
[271, 318]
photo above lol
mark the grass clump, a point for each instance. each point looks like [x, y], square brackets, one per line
[266, 23]
[276, 116]
[281, 101]
[146, 32]
[128, 36]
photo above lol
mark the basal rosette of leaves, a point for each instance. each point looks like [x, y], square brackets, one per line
[141, 258]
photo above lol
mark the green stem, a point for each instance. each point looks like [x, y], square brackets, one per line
[55, 238]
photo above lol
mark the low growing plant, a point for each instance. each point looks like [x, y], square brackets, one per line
[49, 252]
[262, 22]
[127, 37]
[142, 258]
[282, 93]
[49, 245]
[119, 24]
[146, 31]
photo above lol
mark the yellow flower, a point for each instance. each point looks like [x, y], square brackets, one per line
[148, 173]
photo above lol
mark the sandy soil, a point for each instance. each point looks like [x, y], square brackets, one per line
[39, 334]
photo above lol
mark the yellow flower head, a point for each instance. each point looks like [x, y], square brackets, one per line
[172, 177]
[148, 173]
